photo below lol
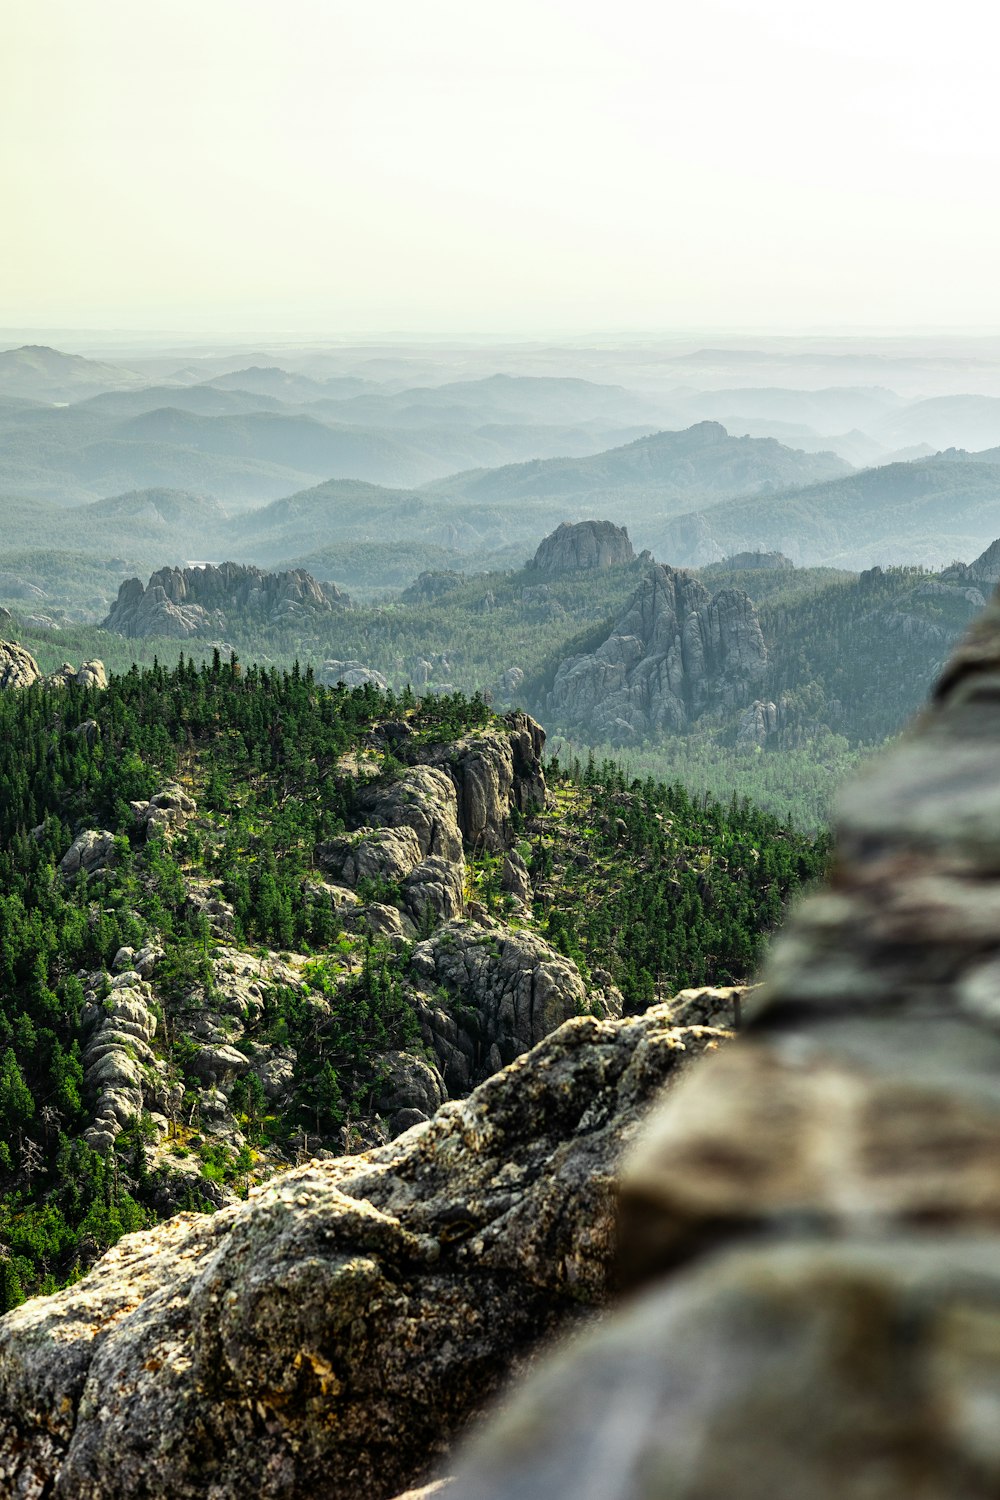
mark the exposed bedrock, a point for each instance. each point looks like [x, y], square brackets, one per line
[676, 652]
[329, 1335]
[814, 1213]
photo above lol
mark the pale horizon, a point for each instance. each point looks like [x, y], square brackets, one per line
[551, 169]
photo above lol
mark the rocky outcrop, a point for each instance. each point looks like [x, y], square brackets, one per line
[984, 573]
[183, 602]
[485, 996]
[118, 1027]
[167, 810]
[89, 852]
[494, 772]
[676, 652]
[330, 1334]
[841, 1163]
[757, 724]
[352, 674]
[91, 675]
[582, 546]
[414, 847]
[423, 799]
[18, 667]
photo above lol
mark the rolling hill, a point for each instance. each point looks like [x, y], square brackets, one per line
[927, 511]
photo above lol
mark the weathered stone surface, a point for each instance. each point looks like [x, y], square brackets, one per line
[505, 990]
[410, 1083]
[514, 878]
[91, 675]
[676, 652]
[433, 892]
[820, 1372]
[182, 602]
[756, 724]
[18, 667]
[117, 1030]
[386, 854]
[89, 852]
[424, 799]
[167, 809]
[328, 1335]
[494, 772]
[583, 546]
[852, 1138]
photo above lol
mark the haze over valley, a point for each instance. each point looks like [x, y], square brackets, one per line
[499, 832]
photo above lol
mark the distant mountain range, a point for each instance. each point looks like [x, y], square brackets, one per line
[927, 511]
[658, 470]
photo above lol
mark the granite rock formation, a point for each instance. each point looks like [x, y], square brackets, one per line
[18, 667]
[486, 996]
[118, 1028]
[823, 1198]
[184, 602]
[580, 546]
[676, 652]
[494, 772]
[330, 1334]
[89, 852]
[90, 675]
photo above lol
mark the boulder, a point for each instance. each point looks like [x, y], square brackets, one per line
[328, 1335]
[514, 878]
[433, 892]
[219, 1063]
[18, 667]
[166, 810]
[382, 854]
[89, 852]
[408, 1083]
[91, 675]
[423, 799]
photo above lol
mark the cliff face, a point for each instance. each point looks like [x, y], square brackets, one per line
[182, 602]
[675, 652]
[582, 546]
[841, 1163]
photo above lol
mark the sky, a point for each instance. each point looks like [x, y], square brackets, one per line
[525, 168]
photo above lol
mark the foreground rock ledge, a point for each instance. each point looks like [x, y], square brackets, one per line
[328, 1336]
[825, 1193]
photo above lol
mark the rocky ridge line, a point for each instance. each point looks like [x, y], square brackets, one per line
[330, 1334]
[184, 602]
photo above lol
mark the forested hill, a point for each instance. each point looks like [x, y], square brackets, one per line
[246, 918]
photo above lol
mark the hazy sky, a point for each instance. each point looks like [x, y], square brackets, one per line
[527, 166]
